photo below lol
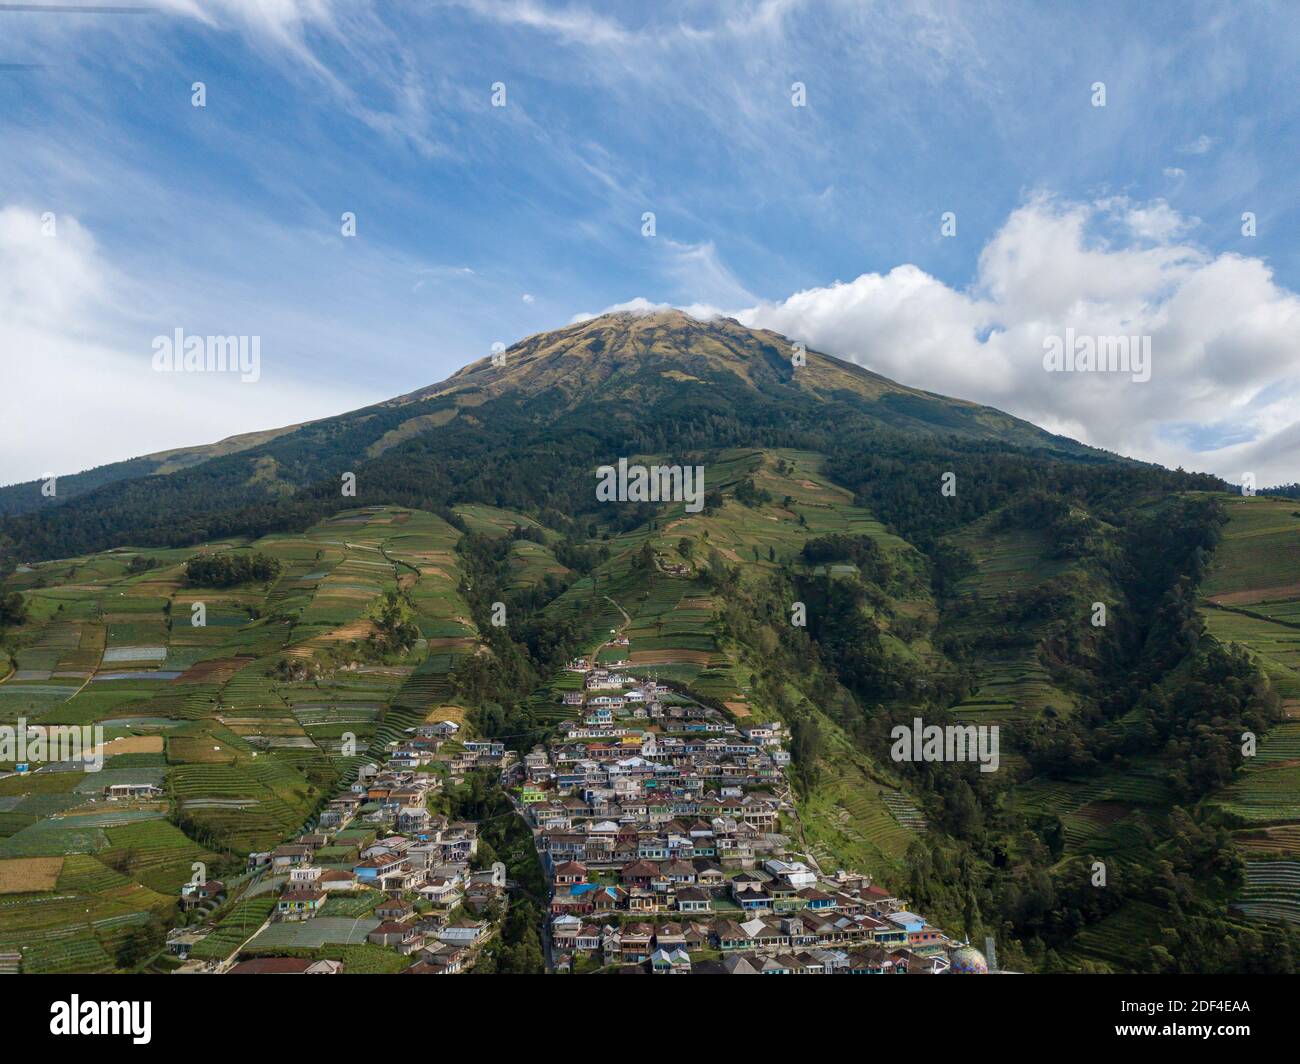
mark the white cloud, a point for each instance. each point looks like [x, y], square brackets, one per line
[79, 386]
[1222, 331]
[640, 307]
[1158, 221]
[1199, 146]
[699, 270]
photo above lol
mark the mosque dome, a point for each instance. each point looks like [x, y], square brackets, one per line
[967, 960]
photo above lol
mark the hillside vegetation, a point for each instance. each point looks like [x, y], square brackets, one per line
[828, 580]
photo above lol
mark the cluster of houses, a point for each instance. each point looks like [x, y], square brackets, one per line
[659, 823]
[661, 834]
[440, 743]
[434, 907]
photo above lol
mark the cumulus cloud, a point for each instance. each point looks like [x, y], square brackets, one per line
[1222, 335]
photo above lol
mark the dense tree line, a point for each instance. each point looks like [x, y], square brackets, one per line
[230, 570]
[503, 836]
[395, 629]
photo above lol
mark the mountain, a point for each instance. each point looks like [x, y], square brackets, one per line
[865, 556]
[619, 368]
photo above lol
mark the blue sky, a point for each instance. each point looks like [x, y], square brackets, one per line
[478, 224]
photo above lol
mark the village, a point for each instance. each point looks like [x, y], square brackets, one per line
[664, 829]
[411, 887]
[664, 833]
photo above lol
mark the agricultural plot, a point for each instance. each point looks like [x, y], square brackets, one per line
[24, 875]
[79, 923]
[1266, 792]
[156, 853]
[250, 804]
[235, 928]
[1276, 646]
[1099, 814]
[1252, 599]
[531, 564]
[848, 823]
[1259, 556]
[1252, 592]
[1005, 561]
[803, 504]
[491, 520]
[1015, 689]
[1277, 840]
[319, 931]
[1271, 892]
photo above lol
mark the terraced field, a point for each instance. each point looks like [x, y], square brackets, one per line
[244, 754]
[1115, 940]
[236, 926]
[1272, 891]
[79, 924]
[1251, 598]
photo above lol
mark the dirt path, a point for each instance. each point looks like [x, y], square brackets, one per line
[626, 618]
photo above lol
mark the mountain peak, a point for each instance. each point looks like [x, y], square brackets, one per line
[643, 363]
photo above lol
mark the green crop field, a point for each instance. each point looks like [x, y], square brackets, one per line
[236, 926]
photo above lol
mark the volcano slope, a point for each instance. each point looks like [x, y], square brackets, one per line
[862, 555]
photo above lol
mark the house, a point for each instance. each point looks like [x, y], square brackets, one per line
[588, 939]
[634, 943]
[796, 873]
[405, 938]
[569, 873]
[564, 931]
[875, 962]
[272, 966]
[440, 891]
[283, 858]
[299, 904]
[694, 900]
[193, 895]
[441, 959]
[674, 962]
[413, 818]
[372, 870]
[817, 900]
[463, 932]
[118, 791]
[180, 942]
[335, 880]
[394, 909]
[742, 965]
